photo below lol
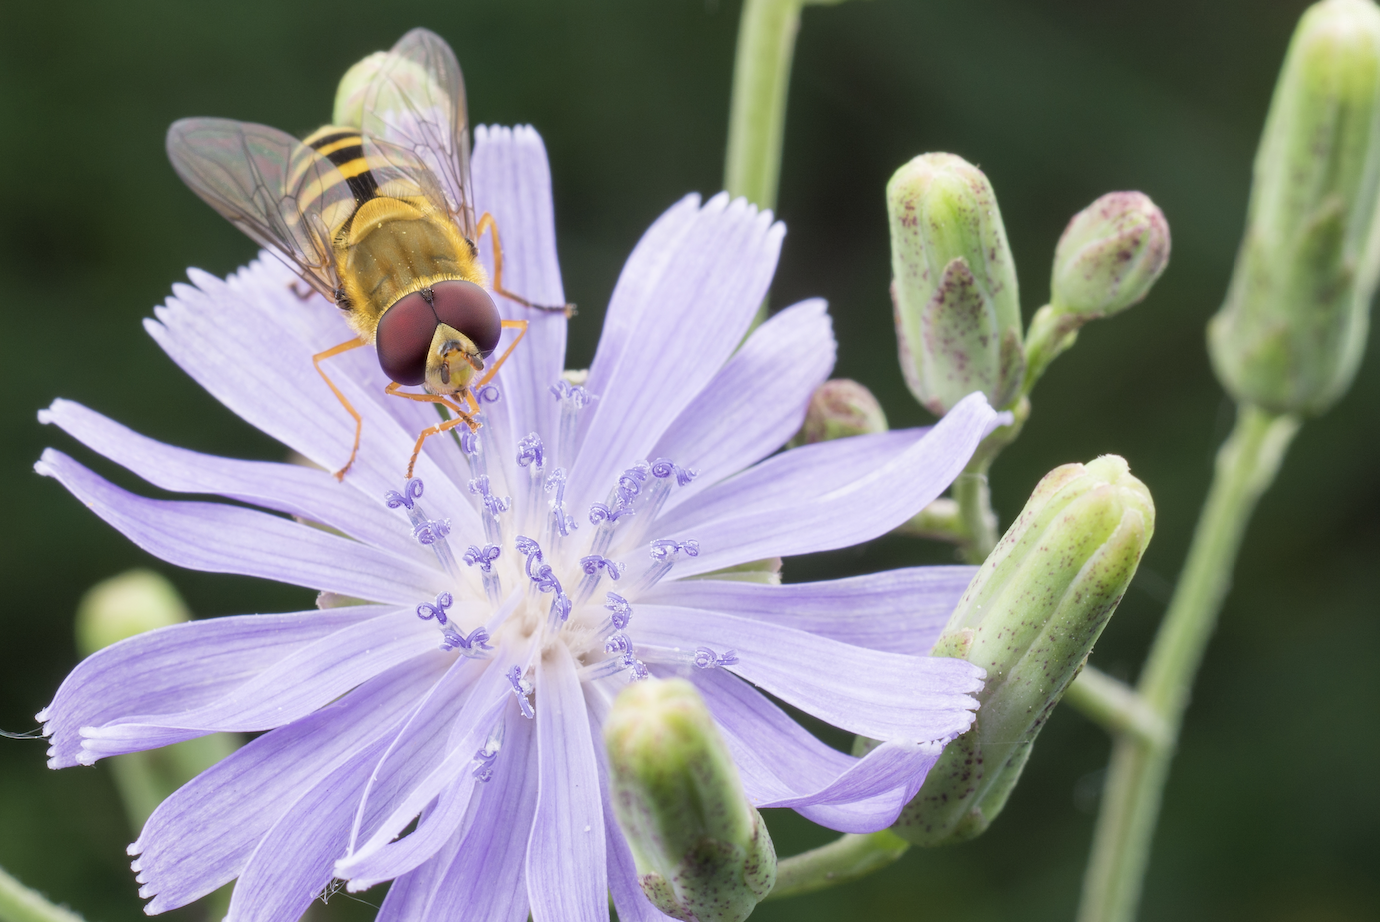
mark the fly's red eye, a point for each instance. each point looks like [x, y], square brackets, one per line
[469, 309]
[403, 338]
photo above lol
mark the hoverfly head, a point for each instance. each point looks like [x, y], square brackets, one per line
[438, 336]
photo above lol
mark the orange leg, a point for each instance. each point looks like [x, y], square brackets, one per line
[466, 418]
[392, 391]
[521, 327]
[487, 223]
[359, 422]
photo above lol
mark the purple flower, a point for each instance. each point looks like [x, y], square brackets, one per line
[516, 585]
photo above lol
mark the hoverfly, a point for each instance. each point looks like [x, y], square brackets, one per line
[378, 218]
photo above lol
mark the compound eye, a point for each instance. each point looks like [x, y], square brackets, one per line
[469, 309]
[403, 338]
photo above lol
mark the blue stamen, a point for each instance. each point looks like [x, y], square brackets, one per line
[426, 611]
[665, 467]
[664, 548]
[530, 451]
[411, 491]
[561, 523]
[473, 645]
[622, 611]
[489, 393]
[563, 390]
[495, 504]
[484, 558]
[706, 658]
[594, 562]
[598, 512]
[572, 399]
[431, 531]
[521, 688]
[484, 758]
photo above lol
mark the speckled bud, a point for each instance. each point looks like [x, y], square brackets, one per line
[840, 407]
[1291, 333]
[1030, 618]
[701, 850]
[1109, 255]
[406, 80]
[957, 308]
[125, 605]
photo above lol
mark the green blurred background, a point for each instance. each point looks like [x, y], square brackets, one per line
[1271, 813]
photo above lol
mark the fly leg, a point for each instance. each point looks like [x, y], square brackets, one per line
[487, 223]
[359, 422]
[465, 418]
[521, 327]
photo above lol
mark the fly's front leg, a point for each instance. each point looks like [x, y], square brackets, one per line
[464, 419]
[487, 223]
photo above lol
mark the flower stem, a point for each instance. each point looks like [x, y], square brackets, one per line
[20, 904]
[1116, 706]
[974, 498]
[757, 109]
[1246, 465]
[846, 858]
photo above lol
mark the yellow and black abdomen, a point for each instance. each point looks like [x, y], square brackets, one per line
[396, 240]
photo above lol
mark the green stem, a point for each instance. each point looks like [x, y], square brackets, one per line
[846, 858]
[20, 904]
[757, 111]
[1116, 706]
[1246, 465]
[974, 498]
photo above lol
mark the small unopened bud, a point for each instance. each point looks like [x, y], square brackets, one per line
[840, 407]
[1290, 335]
[1030, 618]
[406, 80]
[125, 605]
[701, 850]
[1109, 256]
[958, 312]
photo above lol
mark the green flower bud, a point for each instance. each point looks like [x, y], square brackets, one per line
[1290, 335]
[1109, 256]
[125, 605]
[702, 851]
[958, 312]
[1107, 259]
[840, 407]
[1030, 618]
[121, 607]
[407, 80]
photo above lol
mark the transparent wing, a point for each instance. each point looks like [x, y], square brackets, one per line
[416, 103]
[281, 193]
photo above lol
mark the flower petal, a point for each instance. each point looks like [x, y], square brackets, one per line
[825, 496]
[260, 366]
[310, 493]
[874, 693]
[202, 836]
[309, 677]
[757, 402]
[485, 881]
[396, 797]
[292, 863]
[902, 611]
[648, 262]
[512, 182]
[149, 671]
[567, 872]
[782, 765]
[692, 319]
[230, 539]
